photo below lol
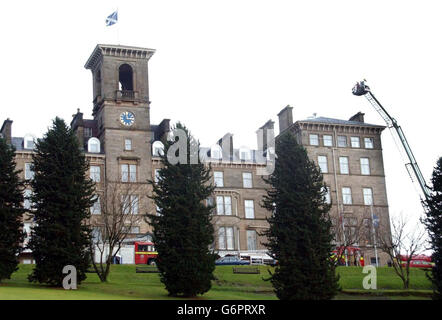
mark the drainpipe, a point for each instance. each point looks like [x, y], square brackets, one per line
[337, 190]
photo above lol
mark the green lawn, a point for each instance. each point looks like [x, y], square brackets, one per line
[124, 283]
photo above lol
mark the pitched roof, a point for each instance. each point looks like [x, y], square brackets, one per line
[339, 121]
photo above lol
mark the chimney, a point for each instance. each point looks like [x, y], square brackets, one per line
[262, 134]
[163, 129]
[359, 117]
[226, 144]
[78, 127]
[285, 118]
[6, 130]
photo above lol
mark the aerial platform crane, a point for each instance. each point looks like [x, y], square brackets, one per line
[361, 89]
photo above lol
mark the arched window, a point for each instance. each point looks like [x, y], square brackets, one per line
[245, 154]
[93, 145]
[157, 148]
[216, 152]
[125, 78]
[28, 141]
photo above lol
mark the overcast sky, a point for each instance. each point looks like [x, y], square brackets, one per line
[229, 66]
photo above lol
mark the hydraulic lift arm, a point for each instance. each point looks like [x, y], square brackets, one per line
[361, 89]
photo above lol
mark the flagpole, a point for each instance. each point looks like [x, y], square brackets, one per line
[374, 235]
[117, 29]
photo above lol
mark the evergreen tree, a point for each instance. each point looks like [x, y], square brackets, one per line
[433, 222]
[11, 198]
[62, 199]
[182, 231]
[299, 235]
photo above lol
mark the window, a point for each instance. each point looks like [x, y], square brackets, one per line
[250, 209]
[368, 143]
[96, 207]
[355, 142]
[216, 152]
[342, 141]
[225, 238]
[314, 140]
[219, 179]
[322, 162]
[95, 173]
[135, 230]
[130, 204]
[128, 173]
[251, 240]
[157, 148]
[247, 180]
[93, 145]
[346, 195]
[327, 195]
[328, 141]
[157, 175]
[224, 205]
[28, 142]
[27, 201]
[368, 196]
[343, 165]
[128, 144]
[88, 132]
[96, 234]
[27, 229]
[245, 153]
[29, 173]
[365, 166]
[134, 200]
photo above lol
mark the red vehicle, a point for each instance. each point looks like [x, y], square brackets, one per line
[145, 253]
[418, 261]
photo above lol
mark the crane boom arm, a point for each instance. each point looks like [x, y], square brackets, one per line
[413, 168]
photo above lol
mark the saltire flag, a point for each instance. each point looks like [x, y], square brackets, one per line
[112, 19]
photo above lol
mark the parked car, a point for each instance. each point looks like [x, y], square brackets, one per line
[231, 260]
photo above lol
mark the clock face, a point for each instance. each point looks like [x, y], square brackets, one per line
[127, 118]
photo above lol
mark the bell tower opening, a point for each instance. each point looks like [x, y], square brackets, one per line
[125, 76]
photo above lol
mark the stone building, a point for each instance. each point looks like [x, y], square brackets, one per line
[123, 146]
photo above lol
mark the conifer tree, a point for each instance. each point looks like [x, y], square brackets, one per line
[433, 222]
[63, 195]
[182, 231]
[11, 198]
[299, 235]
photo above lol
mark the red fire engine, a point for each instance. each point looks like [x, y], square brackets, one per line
[145, 253]
[418, 261]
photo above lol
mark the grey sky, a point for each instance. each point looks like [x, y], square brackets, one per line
[229, 66]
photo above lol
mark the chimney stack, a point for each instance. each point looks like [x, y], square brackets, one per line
[359, 117]
[263, 137]
[226, 144]
[285, 118]
[6, 130]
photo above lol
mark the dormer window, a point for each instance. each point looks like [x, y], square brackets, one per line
[216, 152]
[88, 132]
[93, 145]
[157, 148]
[28, 142]
[245, 154]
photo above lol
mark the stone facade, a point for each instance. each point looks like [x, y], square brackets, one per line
[121, 144]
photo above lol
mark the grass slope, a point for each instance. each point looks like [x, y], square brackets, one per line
[124, 284]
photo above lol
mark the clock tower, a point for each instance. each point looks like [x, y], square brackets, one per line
[121, 110]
